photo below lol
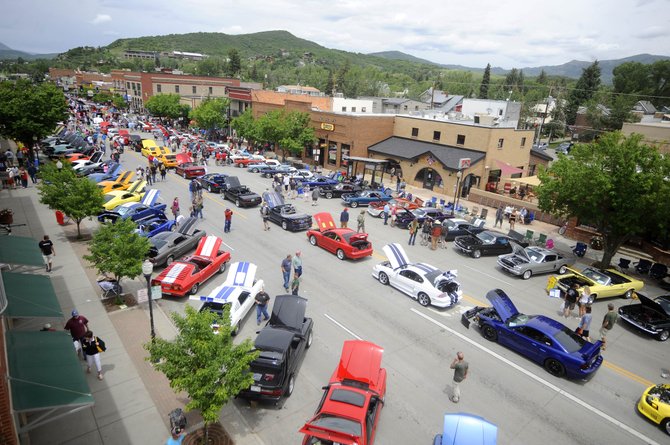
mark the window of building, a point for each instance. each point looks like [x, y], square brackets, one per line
[436, 135]
[501, 141]
[158, 88]
[344, 109]
[523, 142]
[363, 110]
[128, 85]
[176, 88]
[460, 139]
[500, 112]
[415, 132]
[211, 90]
[332, 153]
[194, 89]
[404, 107]
[416, 108]
[531, 170]
[344, 151]
[353, 109]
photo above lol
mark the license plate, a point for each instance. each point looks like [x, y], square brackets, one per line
[255, 388]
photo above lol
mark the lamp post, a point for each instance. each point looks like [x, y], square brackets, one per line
[459, 174]
[147, 270]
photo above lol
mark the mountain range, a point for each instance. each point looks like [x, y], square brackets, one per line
[8, 53]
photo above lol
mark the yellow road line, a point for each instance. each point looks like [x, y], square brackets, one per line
[626, 373]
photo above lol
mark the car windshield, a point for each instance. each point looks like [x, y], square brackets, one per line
[109, 197]
[338, 424]
[569, 340]
[534, 255]
[158, 243]
[519, 320]
[486, 237]
[123, 210]
[596, 276]
[419, 213]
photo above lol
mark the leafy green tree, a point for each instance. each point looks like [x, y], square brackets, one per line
[288, 131]
[329, 84]
[119, 102]
[542, 78]
[486, 81]
[118, 250]
[234, 66]
[207, 366]
[245, 126]
[211, 67]
[62, 190]
[618, 185]
[165, 106]
[211, 113]
[584, 90]
[102, 97]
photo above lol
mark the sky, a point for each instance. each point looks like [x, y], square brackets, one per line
[508, 34]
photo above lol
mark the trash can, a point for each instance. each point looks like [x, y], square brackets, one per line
[60, 217]
[484, 213]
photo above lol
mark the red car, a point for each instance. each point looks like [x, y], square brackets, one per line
[377, 208]
[345, 243]
[185, 276]
[186, 168]
[245, 162]
[352, 402]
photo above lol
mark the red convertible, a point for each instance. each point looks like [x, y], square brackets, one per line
[185, 276]
[349, 410]
[345, 243]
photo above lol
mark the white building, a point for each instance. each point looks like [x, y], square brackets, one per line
[499, 112]
[342, 105]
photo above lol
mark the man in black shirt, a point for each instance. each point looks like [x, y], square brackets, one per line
[570, 299]
[48, 251]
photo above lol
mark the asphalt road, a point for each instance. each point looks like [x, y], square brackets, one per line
[528, 405]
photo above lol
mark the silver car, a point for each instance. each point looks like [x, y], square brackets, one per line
[169, 246]
[534, 260]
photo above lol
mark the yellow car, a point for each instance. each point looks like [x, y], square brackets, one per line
[149, 146]
[655, 405]
[602, 283]
[120, 183]
[118, 197]
[168, 159]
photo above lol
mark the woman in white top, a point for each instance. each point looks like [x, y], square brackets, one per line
[584, 300]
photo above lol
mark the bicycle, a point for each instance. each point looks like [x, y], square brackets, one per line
[6, 229]
[563, 228]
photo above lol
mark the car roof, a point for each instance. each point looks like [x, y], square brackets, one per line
[273, 339]
[545, 324]
[462, 428]
[360, 361]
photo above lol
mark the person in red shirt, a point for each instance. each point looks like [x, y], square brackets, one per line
[229, 217]
[78, 326]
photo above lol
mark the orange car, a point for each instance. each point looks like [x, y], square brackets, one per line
[120, 183]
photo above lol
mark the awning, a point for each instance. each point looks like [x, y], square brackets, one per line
[508, 169]
[30, 296]
[411, 149]
[530, 180]
[45, 375]
[20, 250]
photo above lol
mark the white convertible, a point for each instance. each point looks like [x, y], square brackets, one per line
[423, 282]
[237, 292]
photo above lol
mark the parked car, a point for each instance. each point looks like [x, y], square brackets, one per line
[84, 166]
[147, 207]
[240, 194]
[237, 293]
[344, 243]
[364, 197]
[352, 402]
[376, 208]
[423, 282]
[113, 173]
[542, 339]
[269, 164]
[316, 181]
[281, 344]
[135, 142]
[650, 316]
[302, 175]
[185, 276]
[487, 242]
[212, 182]
[655, 405]
[186, 168]
[466, 429]
[115, 198]
[534, 260]
[149, 147]
[337, 190]
[602, 283]
[422, 214]
[564, 147]
[459, 227]
[284, 214]
[153, 225]
[167, 246]
[245, 162]
[282, 169]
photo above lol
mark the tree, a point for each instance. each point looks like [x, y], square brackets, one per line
[62, 190]
[211, 113]
[165, 105]
[288, 131]
[542, 78]
[617, 185]
[234, 66]
[245, 126]
[486, 80]
[207, 366]
[118, 249]
[584, 90]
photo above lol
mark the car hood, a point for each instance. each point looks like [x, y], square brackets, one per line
[209, 246]
[273, 199]
[396, 255]
[502, 304]
[520, 252]
[188, 226]
[288, 311]
[464, 428]
[241, 274]
[183, 158]
[232, 181]
[324, 221]
[468, 240]
[646, 301]
[360, 361]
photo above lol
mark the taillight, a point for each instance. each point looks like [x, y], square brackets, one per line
[268, 377]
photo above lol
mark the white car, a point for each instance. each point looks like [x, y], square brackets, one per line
[423, 282]
[237, 292]
[302, 174]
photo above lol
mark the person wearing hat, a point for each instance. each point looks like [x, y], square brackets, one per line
[78, 326]
[344, 218]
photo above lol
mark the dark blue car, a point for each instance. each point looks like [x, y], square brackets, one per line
[544, 340]
[317, 181]
[147, 208]
[466, 429]
[364, 197]
[157, 224]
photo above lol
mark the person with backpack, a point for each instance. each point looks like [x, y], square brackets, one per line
[265, 214]
[93, 346]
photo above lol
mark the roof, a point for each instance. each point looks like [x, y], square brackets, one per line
[537, 152]
[276, 98]
[412, 149]
[273, 339]
[30, 296]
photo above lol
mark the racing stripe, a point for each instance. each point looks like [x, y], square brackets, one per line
[224, 293]
[402, 261]
[425, 267]
[150, 197]
[240, 276]
[172, 275]
[208, 246]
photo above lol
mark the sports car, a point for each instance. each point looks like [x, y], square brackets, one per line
[541, 339]
[212, 182]
[240, 194]
[167, 246]
[237, 293]
[422, 214]
[423, 282]
[154, 225]
[602, 283]
[185, 276]
[376, 209]
[113, 172]
[364, 197]
[117, 197]
[149, 147]
[487, 242]
[269, 164]
[135, 210]
[352, 402]
[122, 182]
[655, 405]
[280, 169]
[286, 215]
[533, 260]
[650, 316]
[186, 168]
[344, 243]
[302, 175]
[466, 429]
[245, 162]
[459, 227]
[337, 190]
[316, 181]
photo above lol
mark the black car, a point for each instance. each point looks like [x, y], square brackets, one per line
[336, 191]
[286, 215]
[282, 344]
[459, 227]
[404, 217]
[650, 316]
[486, 243]
[135, 142]
[239, 194]
[213, 182]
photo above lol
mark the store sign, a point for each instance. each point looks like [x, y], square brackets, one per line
[464, 163]
[327, 127]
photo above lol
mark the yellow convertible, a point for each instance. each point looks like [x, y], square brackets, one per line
[655, 405]
[602, 283]
[118, 197]
[120, 183]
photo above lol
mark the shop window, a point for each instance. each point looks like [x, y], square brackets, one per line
[127, 85]
[344, 151]
[176, 88]
[158, 88]
[404, 107]
[501, 141]
[353, 109]
[523, 142]
[344, 109]
[332, 153]
[415, 132]
[194, 89]
[436, 135]
[531, 170]
[460, 139]
[211, 90]
[363, 110]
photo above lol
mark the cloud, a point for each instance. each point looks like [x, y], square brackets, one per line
[651, 33]
[101, 18]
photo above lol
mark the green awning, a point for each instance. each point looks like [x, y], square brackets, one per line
[20, 250]
[45, 375]
[30, 296]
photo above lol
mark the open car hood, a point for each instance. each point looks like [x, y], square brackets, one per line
[273, 199]
[183, 158]
[360, 361]
[396, 255]
[232, 181]
[188, 226]
[646, 301]
[324, 221]
[502, 304]
[150, 197]
[209, 246]
[288, 311]
[520, 251]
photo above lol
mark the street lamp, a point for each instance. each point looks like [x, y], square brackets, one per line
[147, 270]
[459, 175]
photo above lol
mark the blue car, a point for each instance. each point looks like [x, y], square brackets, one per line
[466, 429]
[317, 181]
[544, 340]
[136, 210]
[157, 224]
[112, 173]
[365, 197]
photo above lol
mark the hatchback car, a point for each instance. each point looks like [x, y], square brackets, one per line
[343, 242]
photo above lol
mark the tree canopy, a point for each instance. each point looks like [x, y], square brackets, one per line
[288, 131]
[167, 106]
[486, 80]
[584, 90]
[212, 113]
[645, 82]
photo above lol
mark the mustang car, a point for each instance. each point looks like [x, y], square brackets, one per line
[146, 208]
[544, 340]
[655, 405]
[134, 193]
[376, 209]
[352, 402]
[422, 214]
[269, 163]
[459, 227]
[113, 172]
[154, 225]
[167, 246]
[213, 182]
[466, 429]
[188, 170]
[246, 162]
[423, 282]
[316, 181]
[602, 283]
[122, 182]
[185, 276]
[364, 197]
[286, 215]
[337, 190]
[282, 169]
[650, 316]
[487, 242]
[240, 194]
[534, 260]
[344, 243]
[282, 344]
[236, 293]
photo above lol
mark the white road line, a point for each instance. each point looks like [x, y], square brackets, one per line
[487, 275]
[549, 385]
[231, 249]
[342, 326]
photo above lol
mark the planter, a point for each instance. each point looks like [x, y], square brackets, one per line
[6, 216]
[216, 435]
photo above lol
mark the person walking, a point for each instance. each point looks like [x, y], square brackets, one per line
[77, 325]
[193, 189]
[435, 233]
[609, 321]
[344, 218]
[32, 171]
[265, 215]
[499, 216]
[92, 347]
[198, 206]
[361, 222]
[387, 212]
[163, 171]
[293, 185]
[394, 214]
[286, 270]
[413, 230]
[571, 297]
[584, 300]
[512, 219]
[297, 263]
[229, 218]
[262, 298]
[295, 285]
[23, 176]
[48, 251]
[175, 208]
[460, 367]
[585, 324]
[315, 195]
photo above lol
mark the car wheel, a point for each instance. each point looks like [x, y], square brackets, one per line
[476, 253]
[562, 270]
[312, 240]
[237, 203]
[592, 298]
[173, 228]
[222, 268]
[663, 335]
[169, 260]
[629, 294]
[254, 170]
[554, 367]
[289, 386]
[665, 424]
[527, 274]
[489, 333]
[194, 289]
[340, 254]
[235, 330]
[209, 188]
[329, 195]
[284, 225]
[423, 299]
[383, 278]
[353, 204]
[310, 337]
